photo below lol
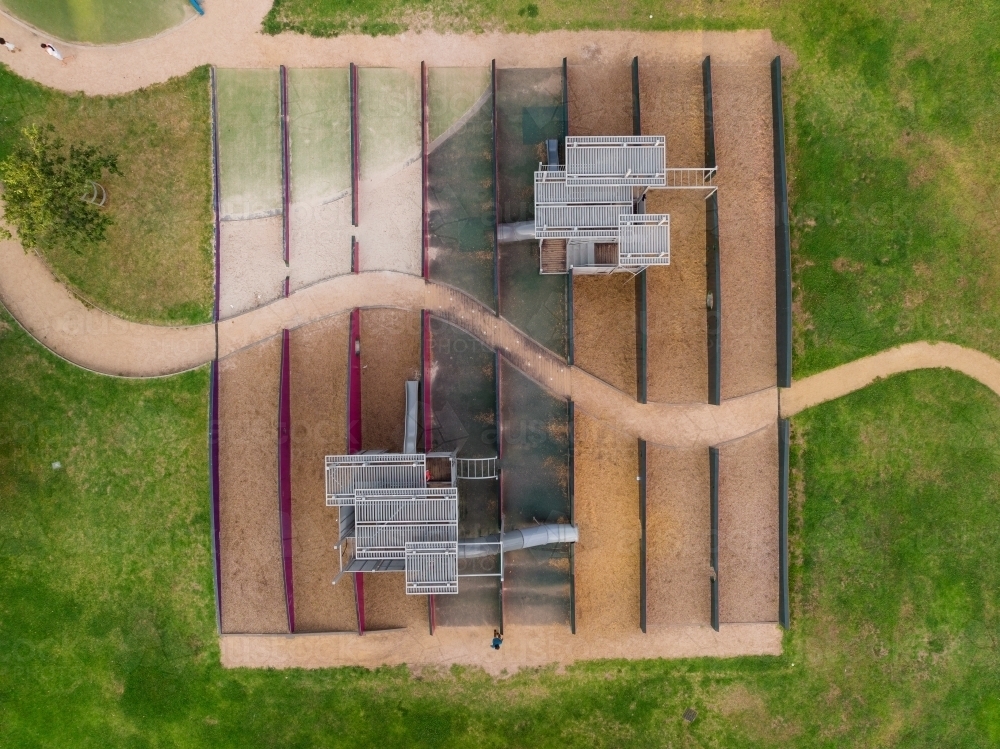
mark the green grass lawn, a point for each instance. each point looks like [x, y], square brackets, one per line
[101, 21]
[107, 620]
[894, 151]
[156, 264]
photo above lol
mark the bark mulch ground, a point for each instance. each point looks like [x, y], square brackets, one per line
[672, 104]
[319, 428]
[600, 99]
[388, 607]
[744, 150]
[677, 338]
[604, 328]
[253, 591]
[678, 536]
[390, 355]
[748, 528]
[606, 510]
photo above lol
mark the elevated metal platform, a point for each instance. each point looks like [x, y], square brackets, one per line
[346, 474]
[616, 160]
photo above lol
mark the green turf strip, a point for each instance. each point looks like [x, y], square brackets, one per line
[100, 21]
[319, 124]
[106, 601]
[249, 143]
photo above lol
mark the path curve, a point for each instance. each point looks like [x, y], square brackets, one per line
[101, 342]
[833, 383]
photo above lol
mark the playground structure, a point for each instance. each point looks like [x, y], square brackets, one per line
[489, 504]
[399, 512]
[590, 216]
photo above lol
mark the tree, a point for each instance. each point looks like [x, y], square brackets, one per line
[44, 190]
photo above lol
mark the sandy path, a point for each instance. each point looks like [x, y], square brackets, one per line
[523, 647]
[95, 340]
[855, 375]
[89, 337]
[229, 36]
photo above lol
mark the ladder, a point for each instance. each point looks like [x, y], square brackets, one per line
[478, 468]
[688, 179]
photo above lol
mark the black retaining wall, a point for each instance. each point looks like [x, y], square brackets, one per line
[713, 474]
[572, 516]
[706, 83]
[641, 337]
[636, 114]
[642, 538]
[782, 239]
[784, 614]
[713, 299]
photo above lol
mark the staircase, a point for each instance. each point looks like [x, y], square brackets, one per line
[553, 256]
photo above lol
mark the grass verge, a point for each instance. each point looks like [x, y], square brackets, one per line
[156, 264]
[106, 605]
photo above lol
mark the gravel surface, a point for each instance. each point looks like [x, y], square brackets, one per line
[604, 337]
[252, 267]
[744, 149]
[319, 241]
[319, 428]
[748, 528]
[678, 536]
[253, 591]
[607, 514]
[390, 212]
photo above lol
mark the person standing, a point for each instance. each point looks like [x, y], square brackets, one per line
[8, 45]
[497, 639]
[52, 51]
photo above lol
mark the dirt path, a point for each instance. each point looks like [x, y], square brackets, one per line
[855, 375]
[523, 647]
[229, 36]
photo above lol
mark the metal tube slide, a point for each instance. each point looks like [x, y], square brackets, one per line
[526, 538]
[515, 232]
[410, 427]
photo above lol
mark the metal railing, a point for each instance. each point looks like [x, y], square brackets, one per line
[478, 468]
[690, 178]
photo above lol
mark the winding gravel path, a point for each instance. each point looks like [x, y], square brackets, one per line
[833, 383]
